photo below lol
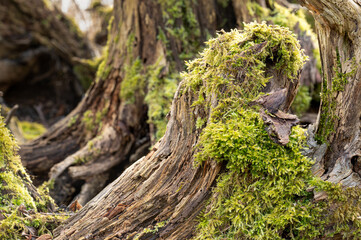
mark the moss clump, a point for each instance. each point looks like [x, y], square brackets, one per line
[12, 188]
[262, 194]
[30, 130]
[18, 207]
[287, 18]
[236, 58]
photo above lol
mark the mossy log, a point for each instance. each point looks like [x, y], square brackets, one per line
[338, 145]
[162, 194]
[39, 48]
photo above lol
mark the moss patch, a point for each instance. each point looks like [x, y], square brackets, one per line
[18, 208]
[31, 130]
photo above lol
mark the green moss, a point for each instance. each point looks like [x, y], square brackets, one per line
[182, 25]
[12, 185]
[15, 223]
[133, 82]
[159, 97]
[262, 194]
[302, 101]
[328, 118]
[257, 10]
[93, 121]
[15, 199]
[31, 130]
[150, 230]
[73, 120]
[104, 69]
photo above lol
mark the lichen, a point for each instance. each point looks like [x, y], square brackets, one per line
[264, 191]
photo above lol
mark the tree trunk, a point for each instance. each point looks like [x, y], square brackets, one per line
[95, 142]
[161, 195]
[338, 128]
[38, 52]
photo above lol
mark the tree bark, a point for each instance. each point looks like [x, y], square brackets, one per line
[338, 128]
[120, 132]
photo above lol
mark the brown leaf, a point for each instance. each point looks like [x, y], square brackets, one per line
[279, 125]
[75, 206]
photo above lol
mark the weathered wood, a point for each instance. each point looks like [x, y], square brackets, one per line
[339, 34]
[164, 186]
[70, 139]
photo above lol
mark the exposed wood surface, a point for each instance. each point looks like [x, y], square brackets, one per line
[59, 149]
[339, 34]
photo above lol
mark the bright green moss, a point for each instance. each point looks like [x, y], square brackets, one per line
[15, 197]
[16, 222]
[133, 82]
[263, 192]
[188, 32]
[237, 57]
[159, 97]
[31, 130]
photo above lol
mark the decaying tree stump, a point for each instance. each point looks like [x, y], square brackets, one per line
[107, 131]
[109, 127]
[164, 190]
